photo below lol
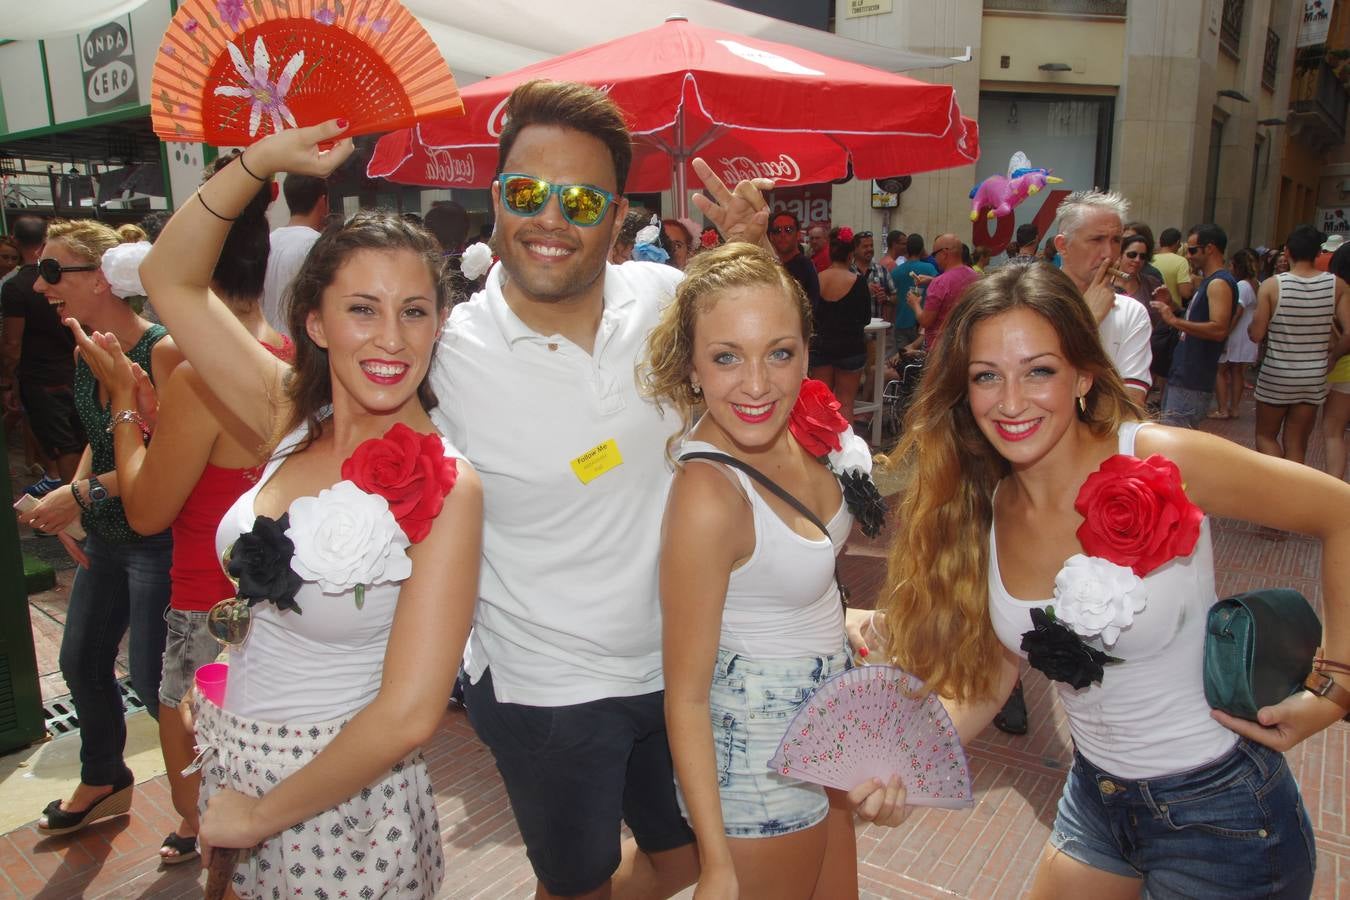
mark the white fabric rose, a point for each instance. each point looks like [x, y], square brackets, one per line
[475, 261]
[853, 454]
[1096, 597]
[122, 268]
[345, 537]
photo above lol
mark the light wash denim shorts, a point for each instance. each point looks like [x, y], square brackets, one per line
[188, 647]
[752, 701]
[1235, 828]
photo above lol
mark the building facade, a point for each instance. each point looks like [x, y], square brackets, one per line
[1181, 105]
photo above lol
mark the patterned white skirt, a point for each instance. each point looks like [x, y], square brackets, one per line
[382, 842]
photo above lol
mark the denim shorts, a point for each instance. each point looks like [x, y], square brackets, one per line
[188, 647]
[1185, 408]
[752, 701]
[1233, 828]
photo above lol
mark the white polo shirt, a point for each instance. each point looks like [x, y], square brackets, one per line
[1125, 334]
[569, 605]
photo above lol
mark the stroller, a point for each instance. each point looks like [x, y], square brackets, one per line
[898, 392]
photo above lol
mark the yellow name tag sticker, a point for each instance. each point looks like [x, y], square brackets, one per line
[597, 461]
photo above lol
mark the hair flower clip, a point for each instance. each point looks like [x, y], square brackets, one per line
[846, 234]
[475, 261]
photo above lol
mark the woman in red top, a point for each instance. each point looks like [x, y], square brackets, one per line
[197, 464]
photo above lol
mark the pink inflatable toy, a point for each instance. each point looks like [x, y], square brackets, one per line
[999, 194]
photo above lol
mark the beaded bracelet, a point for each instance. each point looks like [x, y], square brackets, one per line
[126, 416]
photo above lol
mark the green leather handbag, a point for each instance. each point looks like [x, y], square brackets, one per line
[1259, 647]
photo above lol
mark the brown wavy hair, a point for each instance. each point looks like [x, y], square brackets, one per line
[664, 373]
[309, 386]
[936, 596]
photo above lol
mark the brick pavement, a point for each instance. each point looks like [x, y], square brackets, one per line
[987, 852]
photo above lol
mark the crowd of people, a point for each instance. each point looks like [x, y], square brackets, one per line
[604, 496]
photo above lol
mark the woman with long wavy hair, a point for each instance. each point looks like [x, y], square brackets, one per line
[1033, 476]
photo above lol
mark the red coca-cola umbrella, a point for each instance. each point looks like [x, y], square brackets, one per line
[746, 106]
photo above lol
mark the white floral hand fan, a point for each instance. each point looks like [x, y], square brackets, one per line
[865, 723]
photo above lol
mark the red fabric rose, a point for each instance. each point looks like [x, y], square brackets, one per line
[846, 234]
[815, 420]
[709, 238]
[409, 470]
[1136, 513]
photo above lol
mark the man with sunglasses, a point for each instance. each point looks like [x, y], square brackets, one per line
[1204, 330]
[37, 364]
[785, 233]
[536, 382]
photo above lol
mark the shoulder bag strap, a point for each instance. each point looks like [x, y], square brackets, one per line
[781, 494]
[763, 479]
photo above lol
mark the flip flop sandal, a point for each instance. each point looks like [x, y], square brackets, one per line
[63, 821]
[185, 849]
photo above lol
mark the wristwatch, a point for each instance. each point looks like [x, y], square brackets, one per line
[97, 491]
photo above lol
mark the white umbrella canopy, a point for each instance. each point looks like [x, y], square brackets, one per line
[481, 39]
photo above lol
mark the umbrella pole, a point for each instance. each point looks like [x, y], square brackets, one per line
[678, 159]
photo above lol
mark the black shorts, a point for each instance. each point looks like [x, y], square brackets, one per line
[52, 416]
[573, 773]
[845, 362]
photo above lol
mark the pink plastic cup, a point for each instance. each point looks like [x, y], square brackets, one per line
[211, 681]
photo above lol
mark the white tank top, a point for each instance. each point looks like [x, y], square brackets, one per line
[321, 664]
[783, 601]
[1148, 717]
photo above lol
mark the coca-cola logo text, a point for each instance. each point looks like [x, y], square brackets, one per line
[497, 118]
[443, 167]
[740, 168]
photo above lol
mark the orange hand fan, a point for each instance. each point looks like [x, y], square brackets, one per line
[231, 71]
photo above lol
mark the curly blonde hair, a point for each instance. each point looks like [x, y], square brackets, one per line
[86, 238]
[936, 596]
[664, 374]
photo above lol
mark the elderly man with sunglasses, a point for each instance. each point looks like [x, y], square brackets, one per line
[536, 381]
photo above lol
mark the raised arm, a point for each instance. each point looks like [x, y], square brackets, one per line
[431, 625]
[1225, 479]
[177, 273]
[706, 528]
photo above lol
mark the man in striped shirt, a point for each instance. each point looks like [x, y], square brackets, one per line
[1294, 314]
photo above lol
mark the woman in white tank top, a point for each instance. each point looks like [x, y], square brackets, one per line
[363, 520]
[752, 619]
[1034, 486]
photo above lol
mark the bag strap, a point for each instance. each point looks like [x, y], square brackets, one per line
[781, 494]
[763, 479]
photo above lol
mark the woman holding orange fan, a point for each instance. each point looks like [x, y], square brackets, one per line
[356, 553]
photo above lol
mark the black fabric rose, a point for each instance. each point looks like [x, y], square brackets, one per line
[864, 501]
[1059, 653]
[260, 564]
